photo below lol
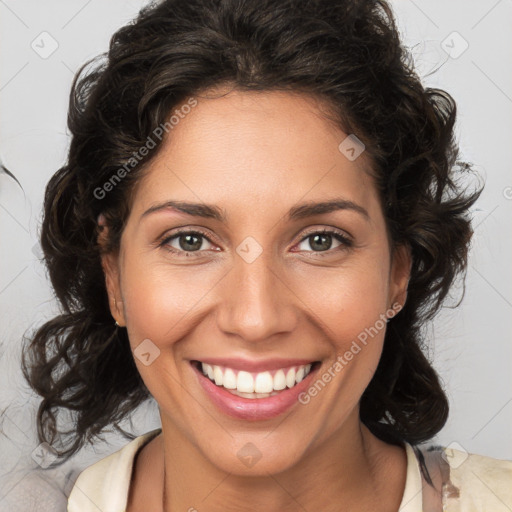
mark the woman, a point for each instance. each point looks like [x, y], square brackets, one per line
[258, 213]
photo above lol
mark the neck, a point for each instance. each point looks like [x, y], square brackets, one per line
[351, 467]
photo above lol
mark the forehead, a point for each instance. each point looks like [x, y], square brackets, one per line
[252, 152]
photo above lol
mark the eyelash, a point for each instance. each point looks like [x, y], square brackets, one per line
[346, 243]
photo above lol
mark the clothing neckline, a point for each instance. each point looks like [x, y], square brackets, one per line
[115, 472]
[412, 498]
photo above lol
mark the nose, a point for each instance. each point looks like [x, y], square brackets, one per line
[256, 302]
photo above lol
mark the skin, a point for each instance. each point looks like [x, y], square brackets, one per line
[256, 155]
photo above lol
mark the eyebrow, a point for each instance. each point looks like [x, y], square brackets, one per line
[296, 213]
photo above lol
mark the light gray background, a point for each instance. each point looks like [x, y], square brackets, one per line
[471, 346]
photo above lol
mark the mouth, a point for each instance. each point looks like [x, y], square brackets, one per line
[254, 385]
[254, 395]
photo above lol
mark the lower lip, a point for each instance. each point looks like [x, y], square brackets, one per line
[253, 409]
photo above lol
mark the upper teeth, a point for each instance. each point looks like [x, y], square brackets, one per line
[263, 382]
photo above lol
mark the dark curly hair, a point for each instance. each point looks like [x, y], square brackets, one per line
[346, 52]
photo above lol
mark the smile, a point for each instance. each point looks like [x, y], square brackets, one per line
[254, 391]
[255, 385]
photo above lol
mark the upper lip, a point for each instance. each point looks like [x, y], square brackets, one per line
[251, 365]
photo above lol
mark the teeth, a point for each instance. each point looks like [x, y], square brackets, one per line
[290, 378]
[244, 382]
[254, 395]
[279, 380]
[259, 385]
[229, 381]
[217, 375]
[264, 383]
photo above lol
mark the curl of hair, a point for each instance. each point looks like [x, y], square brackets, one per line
[347, 53]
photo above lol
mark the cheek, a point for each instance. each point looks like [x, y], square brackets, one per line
[346, 300]
[161, 301]
[349, 302]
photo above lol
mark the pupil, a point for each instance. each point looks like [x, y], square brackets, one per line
[325, 245]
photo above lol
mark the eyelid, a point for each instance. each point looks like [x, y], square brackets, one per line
[328, 230]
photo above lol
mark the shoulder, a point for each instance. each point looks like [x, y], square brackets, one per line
[472, 482]
[482, 481]
[105, 484]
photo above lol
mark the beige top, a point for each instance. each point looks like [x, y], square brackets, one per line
[471, 483]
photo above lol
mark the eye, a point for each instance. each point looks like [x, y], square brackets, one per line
[185, 242]
[321, 241]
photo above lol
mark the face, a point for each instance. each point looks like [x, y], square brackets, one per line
[269, 295]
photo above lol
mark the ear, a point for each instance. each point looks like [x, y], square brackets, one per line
[399, 276]
[110, 265]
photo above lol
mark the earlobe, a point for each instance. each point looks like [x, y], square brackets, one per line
[120, 316]
[110, 266]
[111, 271]
[400, 275]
